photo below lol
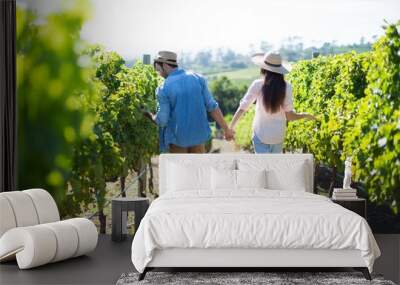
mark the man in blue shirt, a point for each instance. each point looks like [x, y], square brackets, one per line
[183, 103]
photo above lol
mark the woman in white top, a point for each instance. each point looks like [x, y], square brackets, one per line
[274, 104]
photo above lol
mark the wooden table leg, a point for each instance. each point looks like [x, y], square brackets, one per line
[116, 215]
[140, 211]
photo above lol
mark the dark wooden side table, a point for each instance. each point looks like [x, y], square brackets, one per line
[119, 213]
[357, 205]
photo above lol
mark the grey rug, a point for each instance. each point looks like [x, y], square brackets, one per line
[243, 278]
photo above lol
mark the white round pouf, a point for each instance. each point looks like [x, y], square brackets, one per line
[46, 207]
[7, 218]
[23, 208]
[33, 246]
[87, 234]
[31, 233]
[67, 240]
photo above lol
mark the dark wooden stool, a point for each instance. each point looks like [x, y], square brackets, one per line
[120, 208]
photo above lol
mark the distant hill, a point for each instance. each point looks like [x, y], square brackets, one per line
[242, 76]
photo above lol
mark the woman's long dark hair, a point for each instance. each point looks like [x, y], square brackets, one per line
[273, 90]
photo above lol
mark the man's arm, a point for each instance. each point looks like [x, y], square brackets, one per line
[162, 116]
[150, 116]
[215, 111]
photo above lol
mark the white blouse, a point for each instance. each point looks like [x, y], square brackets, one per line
[269, 128]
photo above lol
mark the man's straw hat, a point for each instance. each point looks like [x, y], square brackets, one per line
[167, 57]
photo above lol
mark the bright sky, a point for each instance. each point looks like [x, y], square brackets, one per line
[135, 27]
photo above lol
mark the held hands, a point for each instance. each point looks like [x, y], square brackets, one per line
[229, 134]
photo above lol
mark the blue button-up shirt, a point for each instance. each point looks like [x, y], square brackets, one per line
[183, 103]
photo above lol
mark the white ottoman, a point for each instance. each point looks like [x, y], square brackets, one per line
[31, 232]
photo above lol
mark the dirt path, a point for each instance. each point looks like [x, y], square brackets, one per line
[223, 146]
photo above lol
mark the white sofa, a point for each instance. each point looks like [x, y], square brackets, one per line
[31, 230]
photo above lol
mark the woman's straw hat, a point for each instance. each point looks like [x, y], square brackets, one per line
[271, 61]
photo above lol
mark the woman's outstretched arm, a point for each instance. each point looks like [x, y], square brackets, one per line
[248, 99]
[236, 117]
[293, 116]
